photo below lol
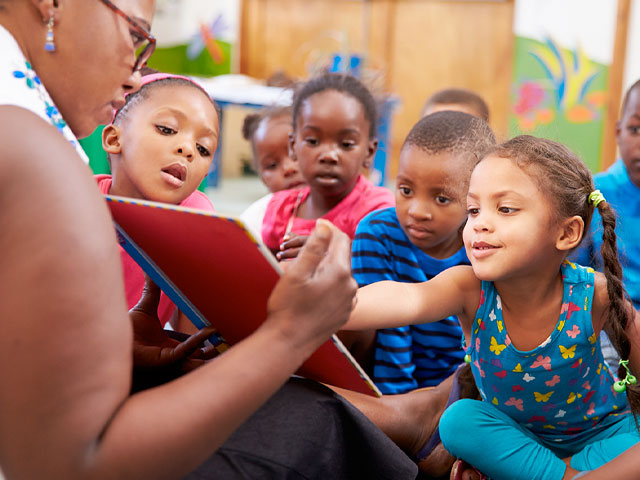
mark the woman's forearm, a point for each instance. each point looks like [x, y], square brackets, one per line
[191, 417]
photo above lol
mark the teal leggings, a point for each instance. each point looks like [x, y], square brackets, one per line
[490, 440]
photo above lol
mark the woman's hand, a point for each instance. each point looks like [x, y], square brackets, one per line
[291, 246]
[315, 295]
[153, 348]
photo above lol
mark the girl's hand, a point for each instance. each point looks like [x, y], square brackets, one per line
[315, 295]
[153, 348]
[291, 246]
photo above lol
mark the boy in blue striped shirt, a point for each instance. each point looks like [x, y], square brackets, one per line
[418, 239]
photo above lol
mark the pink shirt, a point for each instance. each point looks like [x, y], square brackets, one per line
[133, 275]
[363, 199]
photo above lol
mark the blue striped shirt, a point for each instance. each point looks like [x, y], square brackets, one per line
[414, 356]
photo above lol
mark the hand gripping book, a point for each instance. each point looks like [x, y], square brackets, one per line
[217, 273]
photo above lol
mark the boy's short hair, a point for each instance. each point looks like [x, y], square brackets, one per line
[464, 136]
[625, 100]
[451, 131]
[458, 96]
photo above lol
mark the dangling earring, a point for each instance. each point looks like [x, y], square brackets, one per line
[49, 45]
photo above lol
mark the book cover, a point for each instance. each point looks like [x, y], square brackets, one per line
[218, 273]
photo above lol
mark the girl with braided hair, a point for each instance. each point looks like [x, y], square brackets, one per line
[531, 320]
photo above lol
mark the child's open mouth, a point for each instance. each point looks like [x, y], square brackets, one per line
[327, 178]
[175, 174]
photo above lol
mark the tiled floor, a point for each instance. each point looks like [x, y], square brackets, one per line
[233, 195]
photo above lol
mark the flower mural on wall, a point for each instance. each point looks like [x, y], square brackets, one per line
[562, 54]
[566, 87]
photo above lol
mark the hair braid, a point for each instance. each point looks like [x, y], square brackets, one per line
[619, 308]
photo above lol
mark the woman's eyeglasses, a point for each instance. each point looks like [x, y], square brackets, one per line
[145, 42]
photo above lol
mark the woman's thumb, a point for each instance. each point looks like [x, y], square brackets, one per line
[314, 249]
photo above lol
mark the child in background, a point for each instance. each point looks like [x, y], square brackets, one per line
[531, 320]
[334, 124]
[160, 146]
[457, 99]
[418, 239]
[268, 132]
[620, 185]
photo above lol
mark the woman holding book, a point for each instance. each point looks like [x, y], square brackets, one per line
[65, 348]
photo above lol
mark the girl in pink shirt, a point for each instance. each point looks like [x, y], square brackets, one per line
[160, 146]
[333, 140]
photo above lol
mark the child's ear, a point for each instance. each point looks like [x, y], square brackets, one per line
[572, 231]
[290, 145]
[618, 130]
[372, 147]
[111, 139]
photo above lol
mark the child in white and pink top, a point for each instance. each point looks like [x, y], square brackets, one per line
[333, 141]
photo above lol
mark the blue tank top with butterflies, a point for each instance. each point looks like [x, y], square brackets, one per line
[560, 389]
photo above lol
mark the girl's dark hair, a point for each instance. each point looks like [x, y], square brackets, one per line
[568, 183]
[253, 120]
[343, 83]
[134, 98]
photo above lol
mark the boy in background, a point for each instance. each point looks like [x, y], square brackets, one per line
[418, 239]
[458, 100]
[620, 185]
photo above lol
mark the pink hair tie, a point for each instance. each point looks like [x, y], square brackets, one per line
[154, 77]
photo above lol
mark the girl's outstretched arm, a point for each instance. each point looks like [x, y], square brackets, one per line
[455, 291]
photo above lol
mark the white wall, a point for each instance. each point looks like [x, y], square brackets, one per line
[632, 62]
[587, 24]
[176, 21]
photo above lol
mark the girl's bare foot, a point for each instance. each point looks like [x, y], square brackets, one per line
[411, 419]
[422, 410]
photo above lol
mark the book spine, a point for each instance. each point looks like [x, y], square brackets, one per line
[163, 282]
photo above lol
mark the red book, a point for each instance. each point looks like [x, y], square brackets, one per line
[218, 274]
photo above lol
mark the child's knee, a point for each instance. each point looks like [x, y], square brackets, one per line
[454, 425]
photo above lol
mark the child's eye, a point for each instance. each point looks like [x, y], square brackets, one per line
[311, 141]
[271, 166]
[472, 211]
[203, 151]
[507, 210]
[165, 130]
[635, 130]
[348, 145]
[405, 191]
[442, 200]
